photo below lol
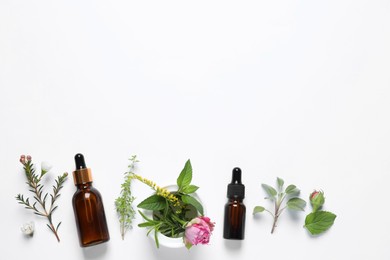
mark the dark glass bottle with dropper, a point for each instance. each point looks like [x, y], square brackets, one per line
[235, 210]
[88, 207]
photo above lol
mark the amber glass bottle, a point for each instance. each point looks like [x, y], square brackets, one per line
[88, 207]
[235, 210]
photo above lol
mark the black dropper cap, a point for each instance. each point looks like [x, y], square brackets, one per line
[80, 162]
[236, 189]
[82, 174]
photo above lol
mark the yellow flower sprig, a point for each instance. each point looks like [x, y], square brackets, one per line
[159, 191]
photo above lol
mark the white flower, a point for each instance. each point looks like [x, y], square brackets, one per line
[28, 228]
[45, 167]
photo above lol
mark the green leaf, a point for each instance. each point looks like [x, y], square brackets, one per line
[58, 226]
[319, 221]
[296, 204]
[280, 183]
[258, 209]
[192, 201]
[292, 189]
[153, 202]
[156, 238]
[145, 217]
[50, 228]
[185, 176]
[270, 191]
[147, 224]
[190, 189]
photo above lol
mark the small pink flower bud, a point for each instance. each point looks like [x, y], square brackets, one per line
[314, 194]
[28, 158]
[22, 159]
[317, 199]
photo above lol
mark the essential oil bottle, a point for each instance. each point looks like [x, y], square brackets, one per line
[235, 210]
[88, 207]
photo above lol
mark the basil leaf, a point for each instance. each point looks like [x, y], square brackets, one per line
[185, 176]
[296, 204]
[153, 202]
[319, 221]
[189, 189]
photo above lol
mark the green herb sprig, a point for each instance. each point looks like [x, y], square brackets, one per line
[123, 203]
[40, 206]
[171, 210]
[318, 221]
[278, 195]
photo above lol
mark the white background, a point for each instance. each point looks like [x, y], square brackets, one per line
[295, 89]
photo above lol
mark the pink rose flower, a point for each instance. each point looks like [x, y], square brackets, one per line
[198, 231]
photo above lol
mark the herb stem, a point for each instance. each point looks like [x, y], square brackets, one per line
[274, 224]
[272, 214]
[45, 213]
[276, 216]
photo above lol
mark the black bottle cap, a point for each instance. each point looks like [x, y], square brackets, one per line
[236, 189]
[82, 174]
[80, 162]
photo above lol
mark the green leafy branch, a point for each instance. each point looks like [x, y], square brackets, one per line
[278, 195]
[171, 210]
[123, 203]
[39, 206]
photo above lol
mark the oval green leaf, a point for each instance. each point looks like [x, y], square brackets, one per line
[269, 190]
[194, 202]
[190, 189]
[296, 204]
[153, 202]
[280, 183]
[292, 189]
[319, 221]
[258, 209]
[185, 176]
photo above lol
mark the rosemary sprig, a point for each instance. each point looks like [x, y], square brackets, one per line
[123, 203]
[40, 206]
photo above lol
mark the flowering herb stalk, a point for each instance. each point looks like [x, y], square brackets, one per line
[278, 195]
[123, 203]
[173, 212]
[40, 205]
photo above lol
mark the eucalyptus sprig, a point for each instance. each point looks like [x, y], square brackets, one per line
[123, 203]
[40, 205]
[278, 195]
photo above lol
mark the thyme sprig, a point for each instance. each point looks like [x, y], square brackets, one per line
[40, 205]
[123, 203]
